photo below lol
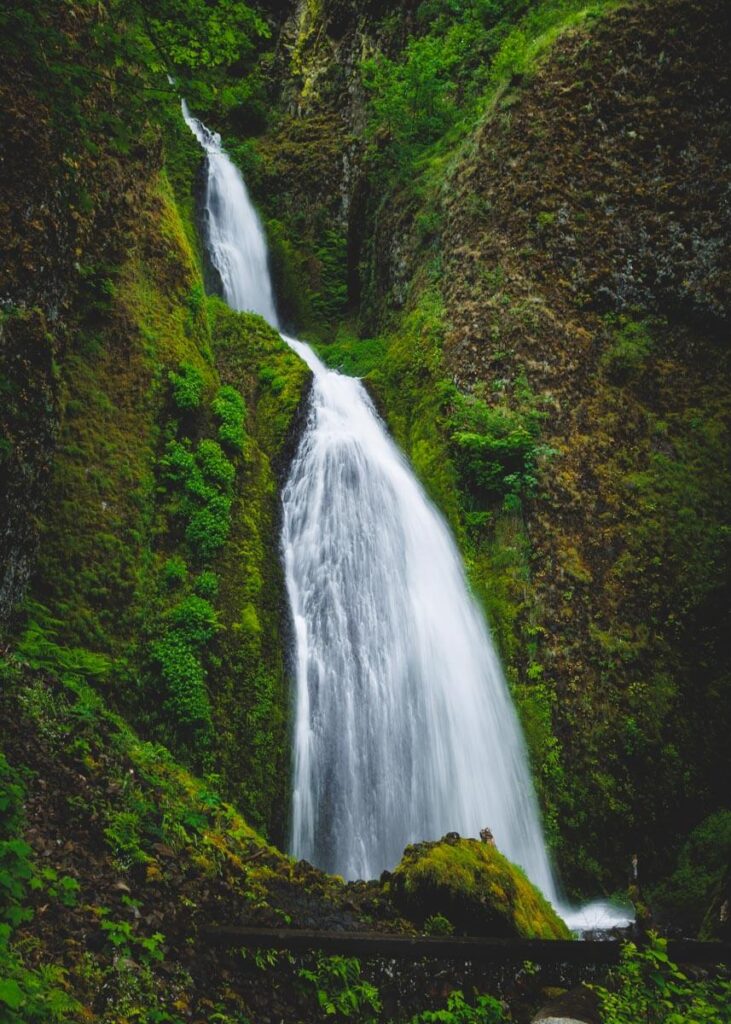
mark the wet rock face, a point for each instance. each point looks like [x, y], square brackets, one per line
[28, 426]
[607, 179]
[475, 887]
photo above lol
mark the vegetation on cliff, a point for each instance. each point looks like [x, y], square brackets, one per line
[523, 315]
[510, 218]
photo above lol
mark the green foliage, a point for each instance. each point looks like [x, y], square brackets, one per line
[38, 646]
[412, 98]
[633, 344]
[123, 937]
[201, 481]
[482, 1010]
[26, 994]
[178, 463]
[685, 896]
[187, 387]
[123, 834]
[206, 43]
[181, 668]
[206, 478]
[206, 585]
[649, 987]
[330, 298]
[16, 869]
[208, 526]
[194, 619]
[214, 466]
[438, 924]
[410, 384]
[195, 34]
[229, 407]
[175, 572]
[352, 355]
[340, 991]
[496, 446]
[446, 73]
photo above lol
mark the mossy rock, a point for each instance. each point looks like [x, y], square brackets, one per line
[473, 885]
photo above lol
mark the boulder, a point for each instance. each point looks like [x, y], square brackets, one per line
[475, 887]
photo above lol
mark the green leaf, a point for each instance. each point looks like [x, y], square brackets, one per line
[11, 993]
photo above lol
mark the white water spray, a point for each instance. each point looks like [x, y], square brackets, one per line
[404, 729]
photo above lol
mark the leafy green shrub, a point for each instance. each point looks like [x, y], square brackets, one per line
[339, 989]
[174, 572]
[123, 834]
[11, 799]
[182, 671]
[496, 447]
[632, 345]
[331, 298]
[352, 355]
[40, 650]
[438, 924]
[206, 479]
[484, 1010]
[178, 462]
[229, 407]
[194, 619]
[16, 870]
[213, 464]
[125, 940]
[25, 994]
[206, 585]
[649, 987]
[187, 387]
[208, 527]
[413, 97]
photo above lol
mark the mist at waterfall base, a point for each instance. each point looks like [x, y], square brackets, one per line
[403, 727]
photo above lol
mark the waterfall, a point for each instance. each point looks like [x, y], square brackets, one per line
[233, 236]
[404, 729]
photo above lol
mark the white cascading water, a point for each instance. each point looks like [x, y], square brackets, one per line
[404, 729]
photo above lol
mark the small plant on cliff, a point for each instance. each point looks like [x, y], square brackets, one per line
[187, 387]
[496, 445]
[228, 405]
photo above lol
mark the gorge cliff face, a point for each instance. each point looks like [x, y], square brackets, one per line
[587, 245]
[538, 304]
[575, 252]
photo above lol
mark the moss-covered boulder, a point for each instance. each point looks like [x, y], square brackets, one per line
[473, 885]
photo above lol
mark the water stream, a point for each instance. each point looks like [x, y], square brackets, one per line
[404, 729]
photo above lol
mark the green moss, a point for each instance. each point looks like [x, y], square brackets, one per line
[94, 569]
[409, 387]
[352, 355]
[250, 688]
[475, 887]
